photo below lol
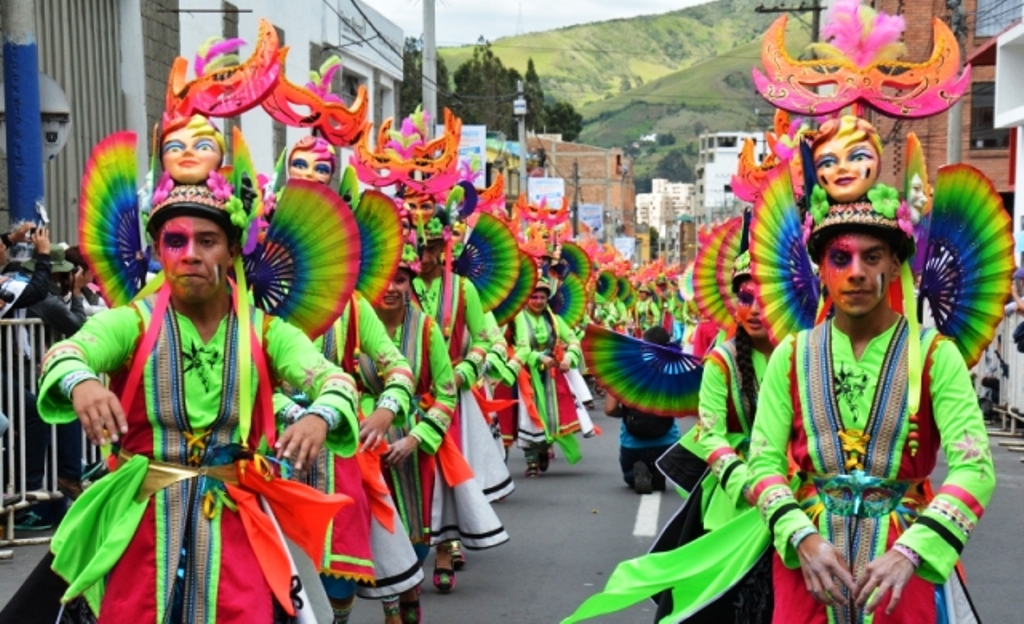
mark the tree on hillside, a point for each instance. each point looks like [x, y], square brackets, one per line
[484, 90]
[563, 119]
[534, 97]
[411, 94]
[673, 167]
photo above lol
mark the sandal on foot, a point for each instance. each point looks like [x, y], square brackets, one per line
[458, 559]
[444, 580]
[410, 612]
[532, 471]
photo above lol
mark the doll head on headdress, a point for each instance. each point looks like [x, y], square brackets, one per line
[190, 149]
[847, 196]
[312, 158]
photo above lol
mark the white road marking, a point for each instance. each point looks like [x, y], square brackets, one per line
[647, 515]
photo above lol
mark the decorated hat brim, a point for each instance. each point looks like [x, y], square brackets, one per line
[902, 244]
[192, 209]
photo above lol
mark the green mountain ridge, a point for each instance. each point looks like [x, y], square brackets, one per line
[688, 73]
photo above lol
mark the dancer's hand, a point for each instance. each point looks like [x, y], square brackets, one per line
[564, 366]
[547, 361]
[890, 572]
[400, 451]
[302, 441]
[821, 563]
[374, 427]
[100, 412]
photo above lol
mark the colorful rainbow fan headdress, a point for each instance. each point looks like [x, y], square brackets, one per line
[860, 60]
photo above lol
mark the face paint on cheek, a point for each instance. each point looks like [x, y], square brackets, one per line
[881, 284]
[216, 274]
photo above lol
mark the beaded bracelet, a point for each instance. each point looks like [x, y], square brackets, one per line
[72, 379]
[388, 403]
[800, 535]
[909, 553]
[331, 417]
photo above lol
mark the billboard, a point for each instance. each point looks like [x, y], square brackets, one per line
[472, 152]
[626, 245]
[593, 216]
[549, 190]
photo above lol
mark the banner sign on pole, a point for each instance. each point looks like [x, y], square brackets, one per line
[472, 152]
[626, 246]
[549, 191]
[593, 216]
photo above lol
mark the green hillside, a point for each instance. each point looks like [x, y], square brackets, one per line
[591, 62]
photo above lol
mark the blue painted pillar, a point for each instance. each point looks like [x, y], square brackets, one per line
[22, 113]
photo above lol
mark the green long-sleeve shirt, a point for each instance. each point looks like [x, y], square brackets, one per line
[108, 341]
[955, 425]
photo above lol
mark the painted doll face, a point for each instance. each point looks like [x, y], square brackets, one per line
[748, 311]
[196, 256]
[189, 156]
[846, 170]
[538, 301]
[304, 164]
[857, 270]
[398, 291]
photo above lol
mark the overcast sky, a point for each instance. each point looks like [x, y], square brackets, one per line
[464, 21]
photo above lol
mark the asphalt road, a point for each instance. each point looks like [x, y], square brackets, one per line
[570, 527]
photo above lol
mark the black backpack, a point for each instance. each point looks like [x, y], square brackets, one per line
[646, 426]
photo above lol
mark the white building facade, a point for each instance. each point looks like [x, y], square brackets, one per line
[661, 209]
[717, 157]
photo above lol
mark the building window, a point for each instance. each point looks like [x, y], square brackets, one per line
[983, 112]
[726, 141]
[994, 16]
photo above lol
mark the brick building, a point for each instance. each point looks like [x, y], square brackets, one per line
[982, 145]
[605, 178]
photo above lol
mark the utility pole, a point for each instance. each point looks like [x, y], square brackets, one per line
[575, 197]
[519, 110]
[954, 119]
[814, 7]
[429, 61]
[22, 112]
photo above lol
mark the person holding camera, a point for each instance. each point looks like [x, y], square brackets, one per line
[19, 289]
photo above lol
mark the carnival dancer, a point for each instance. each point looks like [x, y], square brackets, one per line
[548, 410]
[648, 311]
[430, 193]
[437, 495]
[891, 553]
[864, 401]
[192, 414]
[728, 406]
[361, 556]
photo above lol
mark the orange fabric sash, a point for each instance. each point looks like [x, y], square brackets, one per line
[453, 463]
[302, 513]
[376, 489]
[529, 401]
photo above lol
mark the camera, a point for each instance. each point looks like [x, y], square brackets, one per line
[6, 296]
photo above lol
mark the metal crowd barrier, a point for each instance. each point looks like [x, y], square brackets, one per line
[1011, 378]
[23, 342]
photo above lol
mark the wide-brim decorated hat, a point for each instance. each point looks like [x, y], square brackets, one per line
[199, 200]
[880, 214]
[740, 269]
